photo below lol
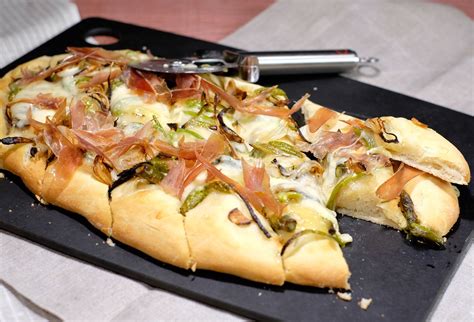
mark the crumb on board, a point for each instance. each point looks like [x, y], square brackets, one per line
[2, 175]
[32, 204]
[41, 200]
[110, 242]
[364, 303]
[331, 291]
[345, 296]
[259, 293]
[9, 210]
[194, 266]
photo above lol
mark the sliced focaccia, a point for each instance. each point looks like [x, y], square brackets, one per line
[207, 172]
[198, 172]
[415, 144]
[365, 173]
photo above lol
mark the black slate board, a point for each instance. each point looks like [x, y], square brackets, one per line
[403, 279]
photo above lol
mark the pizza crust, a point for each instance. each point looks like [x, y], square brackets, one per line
[17, 159]
[425, 149]
[218, 244]
[83, 194]
[318, 262]
[148, 219]
[435, 202]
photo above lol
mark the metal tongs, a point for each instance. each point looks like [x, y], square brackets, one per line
[250, 65]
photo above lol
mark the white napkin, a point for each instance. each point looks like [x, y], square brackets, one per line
[426, 50]
[25, 24]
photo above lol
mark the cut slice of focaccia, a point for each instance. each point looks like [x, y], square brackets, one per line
[365, 175]
[197, 172]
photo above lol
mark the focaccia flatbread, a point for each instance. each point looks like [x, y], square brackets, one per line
[207, 172]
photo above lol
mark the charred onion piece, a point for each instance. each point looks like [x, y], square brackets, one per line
[173, 126]
[227, 131]
[285, 222]
[123, 177]
[33, 151]
[383, 132]
[238, 218]
[254, 215]
[9, 140]
[283, 171]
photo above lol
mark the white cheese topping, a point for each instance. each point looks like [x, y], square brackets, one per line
[131, 107]
[63, 88]
[258, 128]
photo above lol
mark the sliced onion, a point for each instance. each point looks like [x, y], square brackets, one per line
[238, 218]
[9, 140]
[101, 171]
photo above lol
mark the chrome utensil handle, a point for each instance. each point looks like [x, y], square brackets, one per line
[254, 64]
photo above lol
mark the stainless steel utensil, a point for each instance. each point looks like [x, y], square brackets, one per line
[250, 65]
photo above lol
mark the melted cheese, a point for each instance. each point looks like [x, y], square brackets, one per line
[64, 88]
[308, 216]
[313, 196]
[131, 107]
[329, 176]
[231, 168]
[312, 206]
[258, 128]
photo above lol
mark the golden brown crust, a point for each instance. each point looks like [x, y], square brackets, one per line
[83, 194]
[425, 149]
[148, 219]
[317, 262]
[218, 244]
[17, 159]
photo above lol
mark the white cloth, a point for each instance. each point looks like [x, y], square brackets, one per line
[25, 24]
[425, 50]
